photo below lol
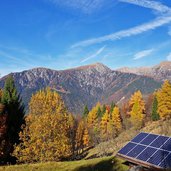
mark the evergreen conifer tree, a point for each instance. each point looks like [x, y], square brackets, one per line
[99, 112]
[154, 115]
[112, 107]
[103, 109]
[86, 111]
[15, 112]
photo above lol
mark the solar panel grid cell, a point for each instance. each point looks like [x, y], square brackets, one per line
[149, 139]
[145, 155]
[159, 141]
[157, 157]
[166, 163]
[135, 152]
[167, 145]
[139, 137]
[127, 148]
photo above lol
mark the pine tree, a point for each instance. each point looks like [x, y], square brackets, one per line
[46, 136]
[103, 109]
[164, 100]
[112, 107]
[154, 115]
[137, 107]
[116, 120]
[99, 112]
[85, 112]
[15, 112]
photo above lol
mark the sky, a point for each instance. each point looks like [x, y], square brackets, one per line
[60, 34]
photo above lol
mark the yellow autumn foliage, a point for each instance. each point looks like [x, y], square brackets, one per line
[45, 137]
[86, 138]
[164, 100]
[137, 109]
[106, 126]
[92, 118]
[116, 119]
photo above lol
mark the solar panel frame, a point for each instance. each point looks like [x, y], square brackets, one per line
[134, 154]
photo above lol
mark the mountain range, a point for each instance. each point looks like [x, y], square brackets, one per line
[89, 84]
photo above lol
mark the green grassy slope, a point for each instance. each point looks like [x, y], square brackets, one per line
[100, 164]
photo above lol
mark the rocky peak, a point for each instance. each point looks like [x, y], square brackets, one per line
[164, 65]
[99, 67]
[161, 71]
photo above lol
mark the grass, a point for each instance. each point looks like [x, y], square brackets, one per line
[98, 164]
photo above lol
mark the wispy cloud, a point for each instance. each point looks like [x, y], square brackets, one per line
[94, 55]
[158, 22]
[169, 57]
[86, 6]
[143, 54]
[149, 4]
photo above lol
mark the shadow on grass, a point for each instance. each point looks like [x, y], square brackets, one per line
[105, 165]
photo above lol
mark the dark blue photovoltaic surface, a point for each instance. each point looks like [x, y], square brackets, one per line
[166, 163]
[139, 137]
[159, 142]
[146, 154]
[149, 139]
[127, 148]
[167, 145]
[137, 150]
[158, 157]
[149, 148]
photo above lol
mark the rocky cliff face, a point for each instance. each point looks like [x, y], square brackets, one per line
[85, 85]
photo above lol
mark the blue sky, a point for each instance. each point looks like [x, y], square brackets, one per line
[62, 34]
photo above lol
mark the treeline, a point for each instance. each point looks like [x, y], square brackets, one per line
[50, 133]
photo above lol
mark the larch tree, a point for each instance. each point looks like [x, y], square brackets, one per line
[86, 137]
[106, 126]
[137, 109]
[164, 100]
[93, 124]
[116, 120]
[92, 118]
[46, 136]
[79, 137]
[14, 111]
[137, 116]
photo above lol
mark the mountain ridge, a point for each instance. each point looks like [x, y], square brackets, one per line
[160, 71]
[85, 85]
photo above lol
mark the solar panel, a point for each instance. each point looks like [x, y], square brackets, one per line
[149, 150]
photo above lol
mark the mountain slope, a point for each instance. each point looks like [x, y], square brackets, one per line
[159, 72]
[83, 85]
